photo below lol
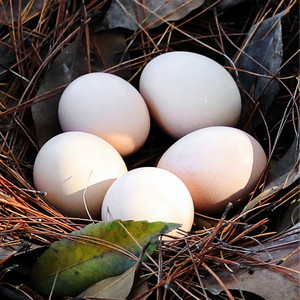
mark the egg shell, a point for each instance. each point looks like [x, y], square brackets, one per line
[108, 106]
[150, 194]
[218, 165]
[187, 91]
[74, 166]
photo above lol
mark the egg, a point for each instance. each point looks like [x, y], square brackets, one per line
[75, 168]
[151, 194]
[218, 165]
[187, 91]
[108, 106]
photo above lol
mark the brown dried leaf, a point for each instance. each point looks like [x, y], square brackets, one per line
[265, 282]
[132, 14]
[140, 287]
[108, 48]
[4, 252]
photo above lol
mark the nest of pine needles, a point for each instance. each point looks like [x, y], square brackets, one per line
[33, 37]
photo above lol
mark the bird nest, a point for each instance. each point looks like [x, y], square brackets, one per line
[239, 254]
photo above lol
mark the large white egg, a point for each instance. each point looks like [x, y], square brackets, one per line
[150, 194]
[74, 167]
[218, 165]
[187, 91]
[108, 106]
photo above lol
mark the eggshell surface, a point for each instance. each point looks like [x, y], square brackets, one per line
[74, 167]
[218, 164]
[108, 106]
[150, 194]
[187, 91]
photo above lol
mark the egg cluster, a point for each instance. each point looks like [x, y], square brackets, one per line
[104, 118]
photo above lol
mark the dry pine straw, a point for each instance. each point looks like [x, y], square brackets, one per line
[25, 216]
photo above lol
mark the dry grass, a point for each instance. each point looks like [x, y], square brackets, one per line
[33, 38]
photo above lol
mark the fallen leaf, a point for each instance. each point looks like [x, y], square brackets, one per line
[139, 13]
[287, 167]
[4, 252]
[24, 261]
[225, 4]
[116, 287]
[96, 252]
[284, 173]
[265, 282]
[29, 10]
[108, 47]
[262, 54]
[140, 287]
[68, 65]
[9, 292]
[291, 216]
[7, 59]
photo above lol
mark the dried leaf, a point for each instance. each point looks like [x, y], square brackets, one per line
[287, 167]
[29, 10]
[262, 55]
[9, 292]
[96, 252]
[139, 13]
[291, 216]
[4, 252]
[225, 4]
[106, 51]
[284, 173]
[139, 288]
[117, 287]
[108, 48]
[7, 58]
[68, 65]
[265, 282]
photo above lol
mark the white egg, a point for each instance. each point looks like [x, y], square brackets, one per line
[108, 106]
[218, 165]
[187, 91]
[75, 168]
[150, 194]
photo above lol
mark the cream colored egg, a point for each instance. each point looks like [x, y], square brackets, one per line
[108, 106]
[187, 91]
[75, 168]
[150, 194]
[218, 165]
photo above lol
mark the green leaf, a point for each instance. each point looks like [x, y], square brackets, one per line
[117, 287]
[96, 252]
